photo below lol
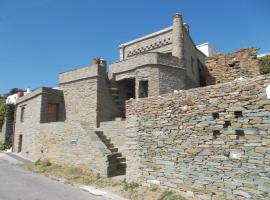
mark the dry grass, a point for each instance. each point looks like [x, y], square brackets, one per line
[69, 174]
[72, 175]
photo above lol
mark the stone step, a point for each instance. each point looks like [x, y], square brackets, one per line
[114, 95]
[113, 88]
[99, 133]
[106, 141]
[114, 149]
[117, 154]
[109, 145]
[121, 159]
[121, 165]
[103, 137]
[118, 101]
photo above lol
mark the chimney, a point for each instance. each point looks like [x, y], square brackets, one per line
[177, 38]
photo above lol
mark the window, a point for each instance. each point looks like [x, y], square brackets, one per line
[52, 114]
[22, 113]
[143, 89]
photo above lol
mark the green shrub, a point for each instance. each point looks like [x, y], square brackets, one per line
[3, 108]
[169, 195]
[6, 145]
[264, 64]
[2, 147]
[43, 163]
[9, 112]
[129, 186]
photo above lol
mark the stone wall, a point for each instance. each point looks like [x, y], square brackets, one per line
[32, 113]
[140, 61]
[115, 130]
[225, 68]
[211, 142]
[192, 57]
[171, 79]
[63, 143]
[80, 94]
[66, 143]
[107, 109]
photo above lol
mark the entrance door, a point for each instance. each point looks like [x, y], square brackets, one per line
[20, 143]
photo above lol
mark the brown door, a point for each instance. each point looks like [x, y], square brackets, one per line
[52, 112]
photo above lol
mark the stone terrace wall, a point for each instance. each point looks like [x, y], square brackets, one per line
[211, 142]
[225, 68]
[65, 144]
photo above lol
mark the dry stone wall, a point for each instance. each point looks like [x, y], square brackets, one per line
[211, 142]
[225, 68]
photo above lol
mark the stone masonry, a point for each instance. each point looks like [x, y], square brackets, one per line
[211, 142]
[142, 118]
[241, 63]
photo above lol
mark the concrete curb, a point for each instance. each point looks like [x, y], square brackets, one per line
[93, 190]
[13, 158]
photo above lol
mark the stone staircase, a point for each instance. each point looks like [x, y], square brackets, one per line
[116, 96]
[117, 163]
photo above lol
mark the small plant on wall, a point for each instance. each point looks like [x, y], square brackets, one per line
[9, 112]
[264, 63]
[2, 114]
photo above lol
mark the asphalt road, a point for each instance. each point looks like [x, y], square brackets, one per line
[19, 184]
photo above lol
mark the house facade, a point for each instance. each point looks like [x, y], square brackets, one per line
[84, 121]
[91, 100]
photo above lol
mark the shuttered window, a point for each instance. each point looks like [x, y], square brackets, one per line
[53, 110]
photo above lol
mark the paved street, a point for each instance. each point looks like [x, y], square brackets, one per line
[19, 184]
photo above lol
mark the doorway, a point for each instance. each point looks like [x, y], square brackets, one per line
[127, 87]
[20, 143]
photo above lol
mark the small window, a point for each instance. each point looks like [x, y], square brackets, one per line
[216, 133]
[215, 115]
[53, 112]
[22, 113]
[143, 89]
[238, 114]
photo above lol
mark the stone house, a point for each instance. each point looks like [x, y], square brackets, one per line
[93, 100]
[99, 120]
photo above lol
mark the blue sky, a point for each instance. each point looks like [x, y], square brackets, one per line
[40, 38]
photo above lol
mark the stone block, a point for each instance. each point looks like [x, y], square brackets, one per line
[242, 193]
[266, 141]
[262, 149]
